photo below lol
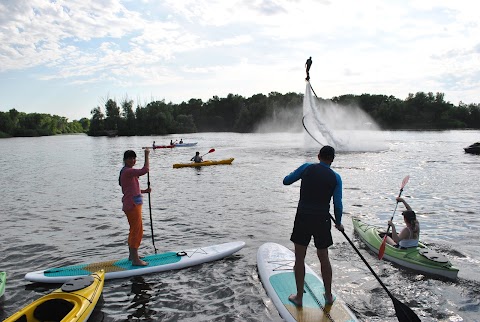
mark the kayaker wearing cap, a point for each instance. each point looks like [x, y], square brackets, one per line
[409, 235]
[319, 185]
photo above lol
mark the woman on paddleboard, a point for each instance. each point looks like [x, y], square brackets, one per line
[409, 235]
[132, 202]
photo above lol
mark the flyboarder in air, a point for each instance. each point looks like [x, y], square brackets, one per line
[307, 67]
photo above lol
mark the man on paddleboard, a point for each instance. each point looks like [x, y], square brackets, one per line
[132, 202]
[319, 185]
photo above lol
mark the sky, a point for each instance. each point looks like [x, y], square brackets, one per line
[67, 57]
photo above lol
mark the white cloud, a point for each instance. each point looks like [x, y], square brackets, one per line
[240, 46]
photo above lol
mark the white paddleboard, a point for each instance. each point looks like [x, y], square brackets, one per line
[275, 269]
[121, 268]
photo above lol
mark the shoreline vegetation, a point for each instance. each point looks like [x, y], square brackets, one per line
[234, 113]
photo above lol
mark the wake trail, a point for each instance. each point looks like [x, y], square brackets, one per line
[346, 128]
[312, 110]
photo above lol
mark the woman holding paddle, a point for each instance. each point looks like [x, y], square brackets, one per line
[132, 202]
[409, 235]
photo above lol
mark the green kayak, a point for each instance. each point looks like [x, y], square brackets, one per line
[3, 279]
[417, 258]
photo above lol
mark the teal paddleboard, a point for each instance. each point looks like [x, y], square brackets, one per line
[121, 268]
[275, 269]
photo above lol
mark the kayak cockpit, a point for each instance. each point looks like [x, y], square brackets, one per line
[52, 310]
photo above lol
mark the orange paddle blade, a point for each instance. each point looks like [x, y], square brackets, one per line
[381, 250]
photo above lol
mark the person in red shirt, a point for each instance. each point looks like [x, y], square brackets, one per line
[132, 202]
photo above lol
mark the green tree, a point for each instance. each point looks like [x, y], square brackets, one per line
[112, 112]
[128, 122]
[85, 122]
[185, 124]
[97, 122]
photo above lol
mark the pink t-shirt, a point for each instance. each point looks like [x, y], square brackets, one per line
[130, 187]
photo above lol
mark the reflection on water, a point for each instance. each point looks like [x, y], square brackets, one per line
[140, 302]
[61, 205]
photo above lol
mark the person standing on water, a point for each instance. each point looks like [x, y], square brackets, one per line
[132, 202]
[308, 64]
[319, 184]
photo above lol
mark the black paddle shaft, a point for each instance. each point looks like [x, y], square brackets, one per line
[403, 312]
[391, 219]
[150, 209]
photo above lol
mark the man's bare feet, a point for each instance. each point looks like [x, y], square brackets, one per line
[139, 262]
[293, 298]
[329, 299]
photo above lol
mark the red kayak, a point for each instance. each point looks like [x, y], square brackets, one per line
[163, 146]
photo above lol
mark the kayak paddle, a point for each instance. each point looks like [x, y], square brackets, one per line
[381, 250]
[403, 312]
[211, 150]
[150, 208]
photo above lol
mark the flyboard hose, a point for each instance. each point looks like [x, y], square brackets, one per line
[313, 90]
[303, 123]
[303, 119]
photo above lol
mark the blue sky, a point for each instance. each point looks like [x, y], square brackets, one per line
[68, 57]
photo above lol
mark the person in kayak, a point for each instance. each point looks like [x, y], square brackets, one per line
[319, 184]
[181, 141]
[308, 64]
[409, 235]
[132, 202]
[197, 158]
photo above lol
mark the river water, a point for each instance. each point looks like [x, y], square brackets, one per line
[61, 205]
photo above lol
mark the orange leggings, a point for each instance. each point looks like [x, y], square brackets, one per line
[135, 235]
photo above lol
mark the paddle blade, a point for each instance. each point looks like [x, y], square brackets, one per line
[403, 312]
[404, 182]
[381, 250]
[211, 150]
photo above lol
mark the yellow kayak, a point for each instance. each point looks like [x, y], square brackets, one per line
[74, 301]
[203, 164]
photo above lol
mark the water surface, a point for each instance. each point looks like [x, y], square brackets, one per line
[61, 204]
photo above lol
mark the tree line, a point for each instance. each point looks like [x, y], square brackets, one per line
[417, 111]
[235, 113]
[15, 123]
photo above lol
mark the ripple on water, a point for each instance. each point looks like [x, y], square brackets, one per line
[61, 211]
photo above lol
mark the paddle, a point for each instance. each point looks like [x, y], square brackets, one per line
[403, 312]
[211, 150]
[381, 250]
[150, 208]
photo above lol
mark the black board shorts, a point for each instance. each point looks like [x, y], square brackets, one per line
[318, 226]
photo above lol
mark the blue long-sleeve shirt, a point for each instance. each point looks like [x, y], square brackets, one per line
[319, 184]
